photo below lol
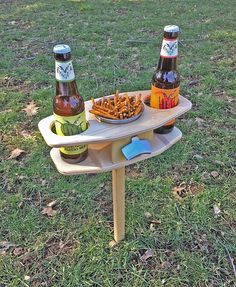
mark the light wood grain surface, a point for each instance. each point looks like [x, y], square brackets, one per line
[102, 132]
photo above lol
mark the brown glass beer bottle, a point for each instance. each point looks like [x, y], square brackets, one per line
[166, 80]
[68, 105]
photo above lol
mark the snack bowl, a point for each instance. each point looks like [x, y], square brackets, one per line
[118, 109]
[123, 121]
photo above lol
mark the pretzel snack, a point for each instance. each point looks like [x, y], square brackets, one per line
[118, 107]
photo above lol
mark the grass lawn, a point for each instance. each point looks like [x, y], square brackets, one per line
[116, 44]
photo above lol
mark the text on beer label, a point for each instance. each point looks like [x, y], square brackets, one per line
[169, 48]
[64, 71]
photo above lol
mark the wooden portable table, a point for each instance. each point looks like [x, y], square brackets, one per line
[105, 142]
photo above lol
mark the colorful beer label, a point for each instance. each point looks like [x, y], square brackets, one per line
[169, 48]
[64, 71]
[68, 126]
[164, 98]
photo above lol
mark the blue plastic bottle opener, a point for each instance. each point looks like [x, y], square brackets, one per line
[136, 147]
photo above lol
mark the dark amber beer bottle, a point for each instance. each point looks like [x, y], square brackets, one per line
[166, 80]
[68, 105]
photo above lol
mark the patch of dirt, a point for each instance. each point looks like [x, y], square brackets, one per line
[103, 200]
[178, 171]
[122, 12]
[193, 81]
[58, 246]
[221, 94]
[184, 189]
[14, 85]
[133, 171]
[22, 86]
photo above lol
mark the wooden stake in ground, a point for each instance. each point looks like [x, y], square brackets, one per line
[118, 189]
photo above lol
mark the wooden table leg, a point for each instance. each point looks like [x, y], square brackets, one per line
[118, 190]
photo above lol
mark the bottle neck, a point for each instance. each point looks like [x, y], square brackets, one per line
[167, 64]
[168, 55]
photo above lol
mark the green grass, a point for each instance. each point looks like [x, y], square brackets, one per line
[187, 244]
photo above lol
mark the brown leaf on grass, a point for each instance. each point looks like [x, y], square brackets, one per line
[25, 134]
[214, 174]
[179, 192]
[16, 153]
[18, 251]
[48, 211]
[148, 254]
[31, 109]
[186, 188]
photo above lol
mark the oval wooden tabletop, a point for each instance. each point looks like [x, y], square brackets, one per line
[102, 132]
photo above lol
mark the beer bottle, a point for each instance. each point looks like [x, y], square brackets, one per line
[165, 81]
[68, 105]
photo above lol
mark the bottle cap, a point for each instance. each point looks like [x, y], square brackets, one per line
[61, 49]
[171, 29]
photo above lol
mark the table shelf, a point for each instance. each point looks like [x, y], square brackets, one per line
[99, 158]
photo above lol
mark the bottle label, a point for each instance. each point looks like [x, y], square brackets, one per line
[64, 71]
[164, 98]
[68, 126]
[169, 48]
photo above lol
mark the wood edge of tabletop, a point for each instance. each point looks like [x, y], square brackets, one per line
[52, 139]
[72, 169]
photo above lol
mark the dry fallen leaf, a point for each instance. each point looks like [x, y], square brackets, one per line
[48, 211]
[216, 209]
[25, 134]
[148, 254]
[31, 109]
[16, 153]
[18, 251]
[52, 203]
[214, 174]
[147, 214]
[179, 191]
